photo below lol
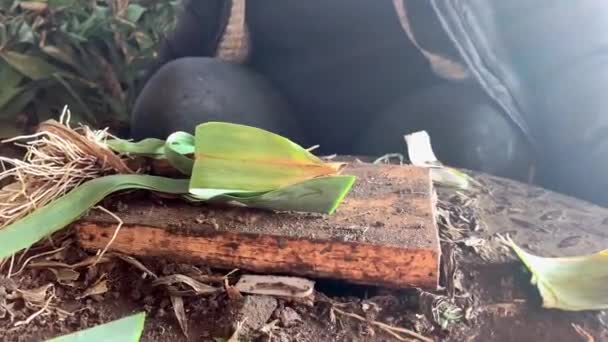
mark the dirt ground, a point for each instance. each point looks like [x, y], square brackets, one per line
[485, 296]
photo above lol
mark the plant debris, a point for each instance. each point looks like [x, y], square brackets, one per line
[180, 313]
[197, 287]
[98, 288]
[391, 330]
[275, 286]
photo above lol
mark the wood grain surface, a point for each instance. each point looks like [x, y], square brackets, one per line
[384, 233]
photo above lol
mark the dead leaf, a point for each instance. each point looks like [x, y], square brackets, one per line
[90, 261]
[231, 291]
[8, 284]
[180, 313]
[270, 327]
[135, 263]
[36, 296]
[235, 335]
[100, 287]
[476, 243]
[86, 262]
[10, 309]
[197, 286]
[3, 302]
[587, 337]
[276, 286]
[43, 309]
[65, 276]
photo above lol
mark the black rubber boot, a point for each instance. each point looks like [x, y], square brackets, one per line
[546, 65]
[335, 82]
[200, 24]
[466, 128]
[193, 90]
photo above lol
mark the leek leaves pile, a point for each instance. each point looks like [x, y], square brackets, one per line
[221, 162]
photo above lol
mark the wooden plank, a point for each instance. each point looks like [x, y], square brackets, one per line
[384, 233]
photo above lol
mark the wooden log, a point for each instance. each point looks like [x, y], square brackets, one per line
[384, 233]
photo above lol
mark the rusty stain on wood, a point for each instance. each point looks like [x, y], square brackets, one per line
[384, 233]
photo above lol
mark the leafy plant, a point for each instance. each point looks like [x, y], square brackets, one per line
[90, 55]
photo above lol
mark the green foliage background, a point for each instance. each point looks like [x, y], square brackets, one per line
[88, 54]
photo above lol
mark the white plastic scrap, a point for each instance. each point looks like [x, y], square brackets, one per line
[420, 153]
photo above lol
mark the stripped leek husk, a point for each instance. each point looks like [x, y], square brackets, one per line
[576, 283]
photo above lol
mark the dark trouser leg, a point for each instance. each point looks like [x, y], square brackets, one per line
[466, 130]
[555, 70]
[573, 129]
[189, 91]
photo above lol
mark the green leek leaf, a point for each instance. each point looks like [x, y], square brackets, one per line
[249, 159]
[127, 329]
[318, 195]
[569, 283]
[150, 147]
[63, 211]
[174, 149]
[306, 188]
[178, 145]
[245, 162]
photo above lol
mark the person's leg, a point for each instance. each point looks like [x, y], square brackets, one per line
[574, 130]
[189, 91]
[466, 130]
[546, 62]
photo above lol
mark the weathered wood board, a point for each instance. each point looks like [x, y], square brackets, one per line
[384, 233]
